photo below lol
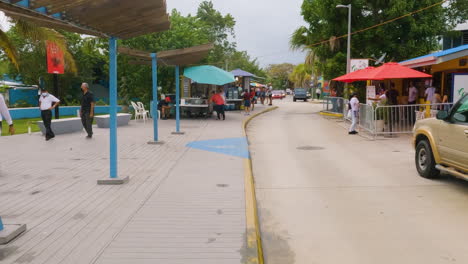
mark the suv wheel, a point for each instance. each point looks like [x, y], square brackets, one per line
[425, 163]
[294, 99]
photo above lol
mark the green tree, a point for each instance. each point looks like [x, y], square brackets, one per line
[278, 75]
[405, 38]
[301, 76]
[32, 37]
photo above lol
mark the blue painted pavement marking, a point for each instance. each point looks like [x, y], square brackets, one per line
[237, 147]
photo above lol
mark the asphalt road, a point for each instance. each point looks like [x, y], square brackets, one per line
[326, 197]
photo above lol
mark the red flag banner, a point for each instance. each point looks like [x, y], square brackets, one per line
[55, 62]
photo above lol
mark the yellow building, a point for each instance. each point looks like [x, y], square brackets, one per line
[447, 67]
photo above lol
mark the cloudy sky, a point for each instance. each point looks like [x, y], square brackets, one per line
[263, 27]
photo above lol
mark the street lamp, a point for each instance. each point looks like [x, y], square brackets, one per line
[348, 56]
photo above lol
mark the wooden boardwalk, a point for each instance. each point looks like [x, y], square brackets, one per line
[182, 205]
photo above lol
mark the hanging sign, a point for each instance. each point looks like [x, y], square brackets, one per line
[55, 61]
[370, 93]
[359, 64]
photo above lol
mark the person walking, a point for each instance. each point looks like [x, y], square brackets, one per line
[247, 102]
[47, 102]
[262, 95]
[354, 107]
[318, 92]
[270, 95]
[5, 115]
[87, 110]
[253, 98]
[219, 102]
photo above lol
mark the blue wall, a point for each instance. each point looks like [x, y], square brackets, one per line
[33, 112]
[30, 96]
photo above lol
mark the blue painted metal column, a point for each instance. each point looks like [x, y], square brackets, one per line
[177, 79]
[154, 59]
[113, 105]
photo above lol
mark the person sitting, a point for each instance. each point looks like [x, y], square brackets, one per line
[165, 108]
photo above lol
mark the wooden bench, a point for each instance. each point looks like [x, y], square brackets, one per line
[103, 120]
[63, 126]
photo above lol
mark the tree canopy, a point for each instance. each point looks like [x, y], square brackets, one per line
[91, 54]
[411, 36]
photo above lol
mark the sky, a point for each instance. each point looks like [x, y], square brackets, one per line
[263, 27]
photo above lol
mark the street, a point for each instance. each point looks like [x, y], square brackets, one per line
[325, 197]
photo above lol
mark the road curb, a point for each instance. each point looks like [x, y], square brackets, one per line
[330, 114]
[254, 241]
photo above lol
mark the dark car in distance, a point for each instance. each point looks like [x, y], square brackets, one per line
[300, 94]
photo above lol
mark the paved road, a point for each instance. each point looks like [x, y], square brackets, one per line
[326, 197]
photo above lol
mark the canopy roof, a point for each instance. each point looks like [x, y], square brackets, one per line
[208, 74]
[242, 73]
[391, 70]
[177, 57]
[104, 18]
[437, 57]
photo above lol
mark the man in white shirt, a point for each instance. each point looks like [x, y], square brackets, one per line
[354, 103]
[412, 94]
[5, 114]
[47, 102]
[430, 91]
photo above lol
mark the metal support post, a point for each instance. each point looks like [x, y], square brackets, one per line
[154, 69]
[177, 80]
[113, 105]
[113, 116]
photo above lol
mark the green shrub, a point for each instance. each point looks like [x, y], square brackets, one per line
[101, 102]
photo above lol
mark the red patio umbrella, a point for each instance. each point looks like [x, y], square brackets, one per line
[393, 70]
[359, 75]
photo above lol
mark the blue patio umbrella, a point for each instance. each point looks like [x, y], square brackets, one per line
[209, 75]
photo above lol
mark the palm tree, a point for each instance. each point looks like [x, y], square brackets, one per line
[301, 76]
[301, 40]
[39, 35]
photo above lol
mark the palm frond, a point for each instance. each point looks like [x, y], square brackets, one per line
[299, 39]
[40, 34]
[9, 49]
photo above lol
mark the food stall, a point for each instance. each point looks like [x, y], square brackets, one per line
[203, 80]
[449, 69]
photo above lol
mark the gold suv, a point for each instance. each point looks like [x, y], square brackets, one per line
[442, 143]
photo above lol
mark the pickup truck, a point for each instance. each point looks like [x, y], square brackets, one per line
[442, 143]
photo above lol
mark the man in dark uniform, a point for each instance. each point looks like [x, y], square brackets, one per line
[87, 109]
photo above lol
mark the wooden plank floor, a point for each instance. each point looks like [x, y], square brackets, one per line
[181, 205]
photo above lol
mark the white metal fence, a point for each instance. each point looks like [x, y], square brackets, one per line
[400, 119]
[386, 119]
[335, 105]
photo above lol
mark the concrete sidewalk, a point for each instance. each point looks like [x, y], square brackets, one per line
[183, 204]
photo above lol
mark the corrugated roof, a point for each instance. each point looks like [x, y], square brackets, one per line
[440, 53]
[242, 73]
[104, 18]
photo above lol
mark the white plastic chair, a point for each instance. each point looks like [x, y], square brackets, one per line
[138, 113]
[145, 114]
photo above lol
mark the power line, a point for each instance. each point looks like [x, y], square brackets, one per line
[381, 24]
